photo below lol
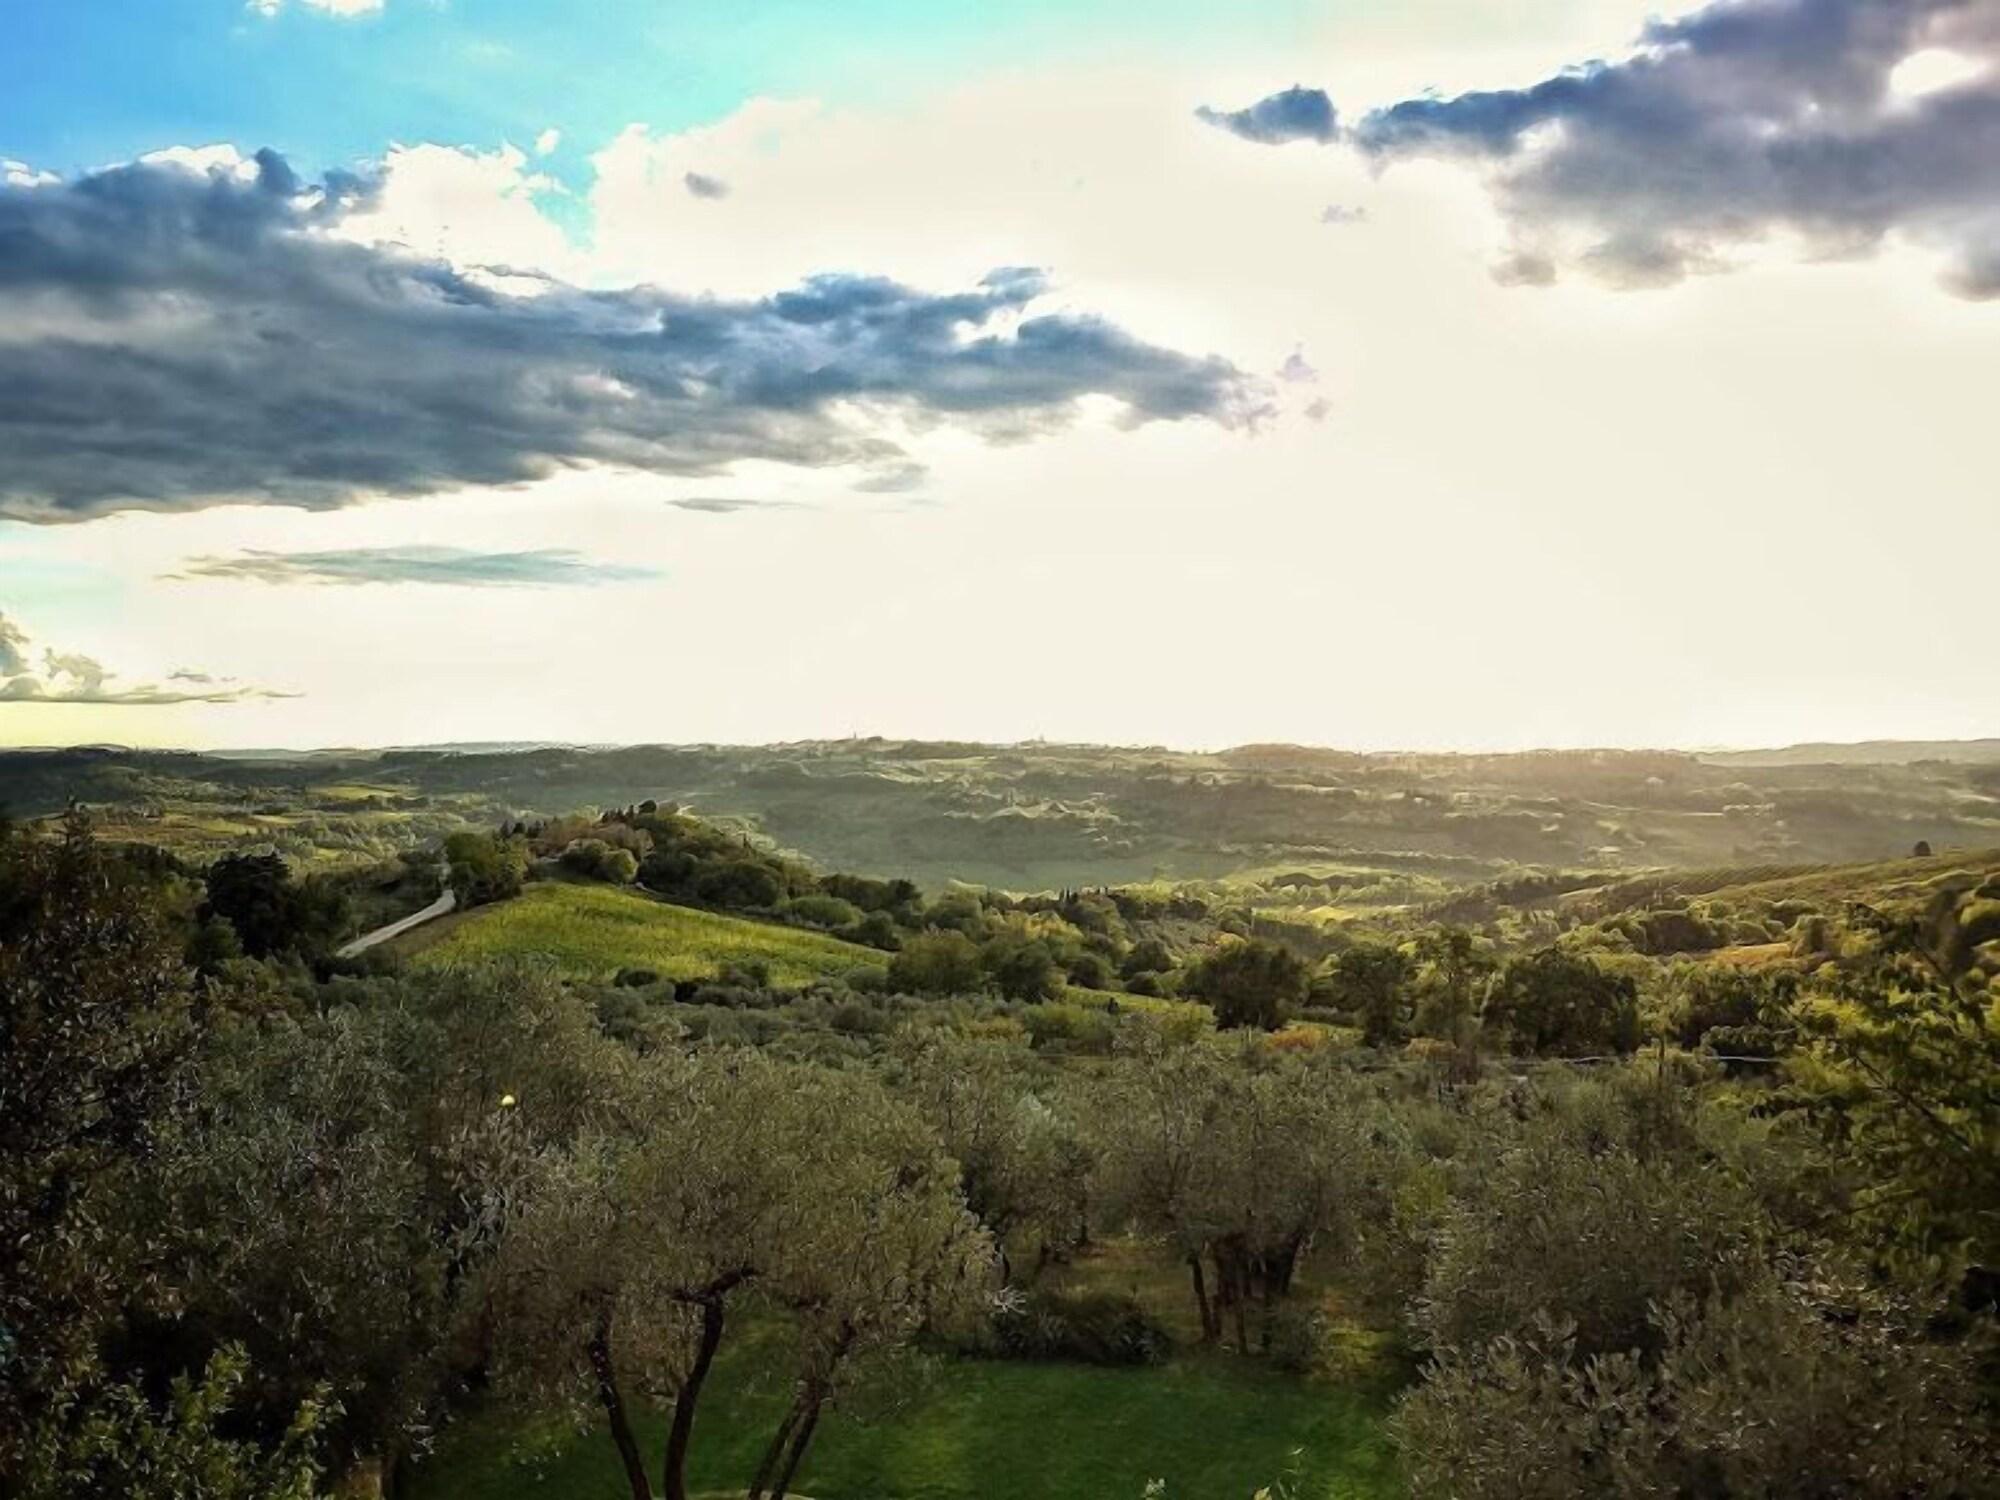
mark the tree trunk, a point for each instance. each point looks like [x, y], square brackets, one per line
[799, 1446]
[1238, 1298]
[1208, 1324]
[673, 1471]
[776, 1451]
[614, 1409]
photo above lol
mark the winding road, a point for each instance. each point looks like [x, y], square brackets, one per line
[447, 902]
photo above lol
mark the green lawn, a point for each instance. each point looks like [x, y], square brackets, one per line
[1214, 1427]
[593, 931]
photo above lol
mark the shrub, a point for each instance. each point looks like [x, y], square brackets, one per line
[1251, 983]
[868, 979]
[938, 963]
[1558, 1003]
[1757, 1396]
[821, 911]
[1073, 1025]
[1093, 1328]
[593, 859]
[739, 883]
[1022, 970]
[876, 930]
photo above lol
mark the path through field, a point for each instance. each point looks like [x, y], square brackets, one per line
[444, 903]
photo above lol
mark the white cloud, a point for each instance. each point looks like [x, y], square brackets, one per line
[1498, 474]
[547, 141]
[476, 208]
[40, 674]
[1932, 69]
[344, 8]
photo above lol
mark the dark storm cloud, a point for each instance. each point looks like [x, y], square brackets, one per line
[704, 186]
[1296, 114]
[443, 565]
[172, 338]
[1744, 120]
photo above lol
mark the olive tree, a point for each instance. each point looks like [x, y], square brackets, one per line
[734, 1177]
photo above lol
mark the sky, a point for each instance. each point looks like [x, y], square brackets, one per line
[1385, 374]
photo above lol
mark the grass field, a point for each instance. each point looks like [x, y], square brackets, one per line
[1212, 1424]
[1214, 1427]
[593, 931]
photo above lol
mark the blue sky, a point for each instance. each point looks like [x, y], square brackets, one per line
[1384, 360]
[93, 81]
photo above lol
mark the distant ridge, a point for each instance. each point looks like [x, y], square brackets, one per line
[1863, 753]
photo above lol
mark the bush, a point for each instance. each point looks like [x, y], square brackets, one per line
[868, 979]
[1092, 1328]
[1251, 983]
[1763, 1395]
[876, 930]
[1557, 1003]
[1022, 970]
[821, 911]
[1092, 971]
[739, 883]
[1307, 1340]
[1075, 1026]
[938, 963]
[593, 859]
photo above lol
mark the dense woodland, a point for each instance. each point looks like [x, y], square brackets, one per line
[1594, 1180]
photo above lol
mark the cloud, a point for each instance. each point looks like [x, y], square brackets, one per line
[14, 651]
[1744, 122]
[1296, 114]
[727, 505]
[441, 565]
[1297, 368]
[343, 8]
[897, 479]
[71, 677]
[1341, 213]
[703, 186]
[547, 141]
[175, 335]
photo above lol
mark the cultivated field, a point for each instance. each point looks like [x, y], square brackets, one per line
[592, 932]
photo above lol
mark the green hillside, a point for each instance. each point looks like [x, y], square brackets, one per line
[593, 931]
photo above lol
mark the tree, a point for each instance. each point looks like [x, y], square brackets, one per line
[269, 911]
[345, 1177]
[739, 884]
[485, 867]
[1253, 982]
[123, 1444]
[594, 859]
[1022, 968]
[1554, 1002]
[883, 1245]
[1368, 982]
[96, 1026]
[1023, 1164]
[1893, 1057]
[1238, 1167]
[1451, 974]
[937, 963]
[1148, 956]
[729, 1176]
[1782, 1390]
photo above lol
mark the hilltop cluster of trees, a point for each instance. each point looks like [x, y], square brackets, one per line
[268, 1224]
